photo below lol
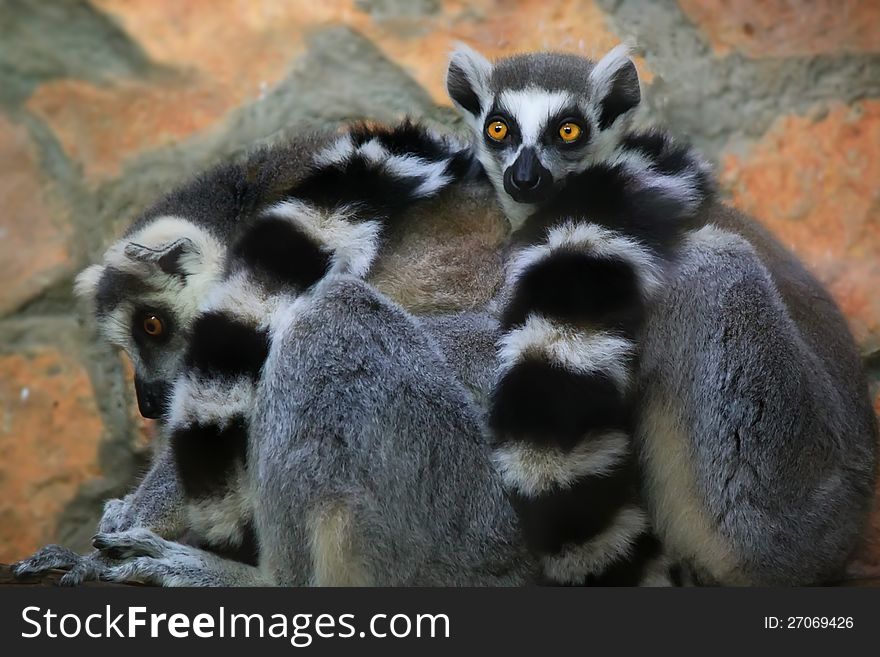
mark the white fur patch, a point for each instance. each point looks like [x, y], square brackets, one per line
[283, 318]
[337, 153]
[373, 151]
[333, 541]
[221, 521]
[681, 186]
[476, 69]
[209, 401]
[593, 556]
[86, 284]
[532, 107]
[597, 240]
[602, 75]
[679, 514]
[242, 298]
[433, 174]
[353, 245]
[568, 347]
[531, 471]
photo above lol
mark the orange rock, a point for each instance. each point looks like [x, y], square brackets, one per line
[495, 28]
[34, 235]
[814, 183]
[781, 28]
[101, 126]
[237, 43]
[239, 46]
[50, 432]
[210, 60]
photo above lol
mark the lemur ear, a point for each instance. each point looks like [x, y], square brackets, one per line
[167, 257]
[615, 83]
[467, 79]
[85, 285]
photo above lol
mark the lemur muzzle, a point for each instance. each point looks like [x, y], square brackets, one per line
[526, 180]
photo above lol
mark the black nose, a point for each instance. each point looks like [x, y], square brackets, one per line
[526, 180]
[525, 174]
[152, 397]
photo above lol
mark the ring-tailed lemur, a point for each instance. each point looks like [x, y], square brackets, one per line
[639, 304]
[362, 430]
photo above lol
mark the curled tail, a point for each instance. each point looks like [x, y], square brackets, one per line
[563, 409]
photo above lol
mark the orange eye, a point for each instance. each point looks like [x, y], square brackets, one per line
[497, 130]
[569, 132]
[153, 326]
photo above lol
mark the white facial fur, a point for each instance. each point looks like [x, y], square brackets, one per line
[532, 108]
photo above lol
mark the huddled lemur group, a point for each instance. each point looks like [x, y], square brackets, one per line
[365, 377]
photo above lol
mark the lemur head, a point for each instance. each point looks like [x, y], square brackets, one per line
[539, 118]
[146, 294]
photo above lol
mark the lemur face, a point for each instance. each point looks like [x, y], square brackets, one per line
[539, 118]
[145, 296]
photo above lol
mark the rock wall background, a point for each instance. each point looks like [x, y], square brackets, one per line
[106, 103]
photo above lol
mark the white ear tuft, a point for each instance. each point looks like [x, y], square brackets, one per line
[467, 78]
[85, 286]
[612, 62]
[615, 85]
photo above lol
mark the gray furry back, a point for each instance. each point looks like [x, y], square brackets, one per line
[757, 434]
[392, 478]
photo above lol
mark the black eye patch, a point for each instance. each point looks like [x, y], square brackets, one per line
[513, 135]
[116, 286]
[567, 115]
[143, 319]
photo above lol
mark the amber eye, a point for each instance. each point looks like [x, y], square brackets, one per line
[569, 132]
[497, 130]
[153, 326]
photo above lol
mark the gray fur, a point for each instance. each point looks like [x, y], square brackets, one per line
[556, 71]
[366, 413]
[154, 503]
[762, 383]
[467, 341]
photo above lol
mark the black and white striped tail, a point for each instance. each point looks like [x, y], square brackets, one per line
[383, 171]
[562, 410]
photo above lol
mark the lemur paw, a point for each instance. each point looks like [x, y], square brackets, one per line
[142, 556]
[143, 570]
[140, 552]
[138, 542]
[80, 567]
[46, 558]
[139, 555]
[91, 568]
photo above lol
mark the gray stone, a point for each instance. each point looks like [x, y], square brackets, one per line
[43, 40]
